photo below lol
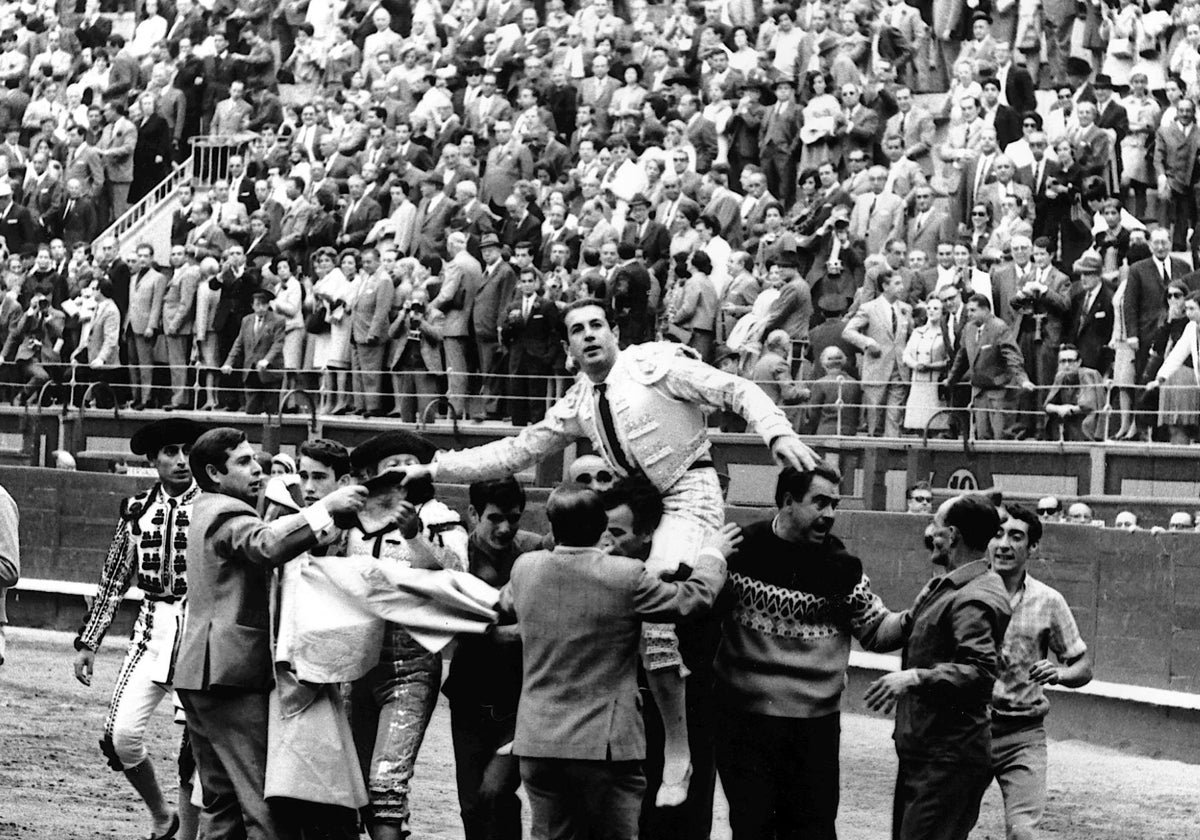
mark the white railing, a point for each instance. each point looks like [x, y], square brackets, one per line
[148, 204]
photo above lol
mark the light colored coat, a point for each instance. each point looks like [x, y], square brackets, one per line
[580, 613]
[179, 300]
[146, 301]
[658, 392]
[872, 325]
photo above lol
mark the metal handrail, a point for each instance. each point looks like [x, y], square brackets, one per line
[88, 393]
[147, 204]
[286, 400]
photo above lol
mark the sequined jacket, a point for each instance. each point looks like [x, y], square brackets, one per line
[149, 549]
[659, 393]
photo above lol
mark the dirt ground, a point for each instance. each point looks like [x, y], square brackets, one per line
[54, 784]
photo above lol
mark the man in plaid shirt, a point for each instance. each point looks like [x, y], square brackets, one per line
[1041, 625]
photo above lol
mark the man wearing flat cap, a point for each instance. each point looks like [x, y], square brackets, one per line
[391, 706]
[257, 354]
[149, 550]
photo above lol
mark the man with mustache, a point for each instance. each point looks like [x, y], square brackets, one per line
[798, 597]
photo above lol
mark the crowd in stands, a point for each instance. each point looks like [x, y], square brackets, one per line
[981, 224]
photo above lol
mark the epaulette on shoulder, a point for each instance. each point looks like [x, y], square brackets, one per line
[649, 362]
[133, 506]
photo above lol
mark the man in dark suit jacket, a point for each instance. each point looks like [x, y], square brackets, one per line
[77, 220]
[531, 333]
[16, 224]
[93, 30]
[1146, 291]
[648, 236]
[991, 362]
[701, 132]
[519, 224]
[1018, 85]
[779, 140]
[434, 212]
[224, 672]
[1006, 120]
[629, 297]
[572, 742]
[1043, 176]
[361, 215]
[257, 355]
[1091, 314]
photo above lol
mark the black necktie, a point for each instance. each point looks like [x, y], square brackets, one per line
[895, 323]
[610, 430]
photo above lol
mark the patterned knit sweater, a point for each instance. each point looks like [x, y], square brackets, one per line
[791, 610]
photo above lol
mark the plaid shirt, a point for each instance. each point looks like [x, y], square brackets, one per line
[1041, 622]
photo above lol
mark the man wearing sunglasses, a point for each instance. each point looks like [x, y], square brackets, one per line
[954, 634]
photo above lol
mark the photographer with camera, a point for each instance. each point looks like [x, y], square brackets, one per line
[36, 342]
[415, 356]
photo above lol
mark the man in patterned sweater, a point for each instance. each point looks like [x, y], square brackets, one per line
[149, 549]
[794, 598]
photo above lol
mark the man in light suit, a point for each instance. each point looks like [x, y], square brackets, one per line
[463, 277]
[597, 91]
[224, 672]
[991, 362]
[928, 225]
[878, 216]
[231, 115]
[84, 162]
[116, 145]
[507, 162]
[369, 321]
[581, 765]
[104, 342]
[880, 329]
[178, 320]
[1004, 183]
[205, 239]
[904, 175]
[914, 125]
[295, 220]
[257, 354]
[1175, 148]
[143, 322]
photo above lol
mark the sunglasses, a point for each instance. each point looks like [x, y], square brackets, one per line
[1029, 125]
[1176, 295]
[602, 476]
[1045, 510]
[926, 499]
[978, 212]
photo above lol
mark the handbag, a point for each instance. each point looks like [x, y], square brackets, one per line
[316, 323]
[1120, 47]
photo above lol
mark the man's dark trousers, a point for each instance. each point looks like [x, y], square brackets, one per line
[937, 800]
[780, 774]
[571, 798]
[228, 733]
[487, 783]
